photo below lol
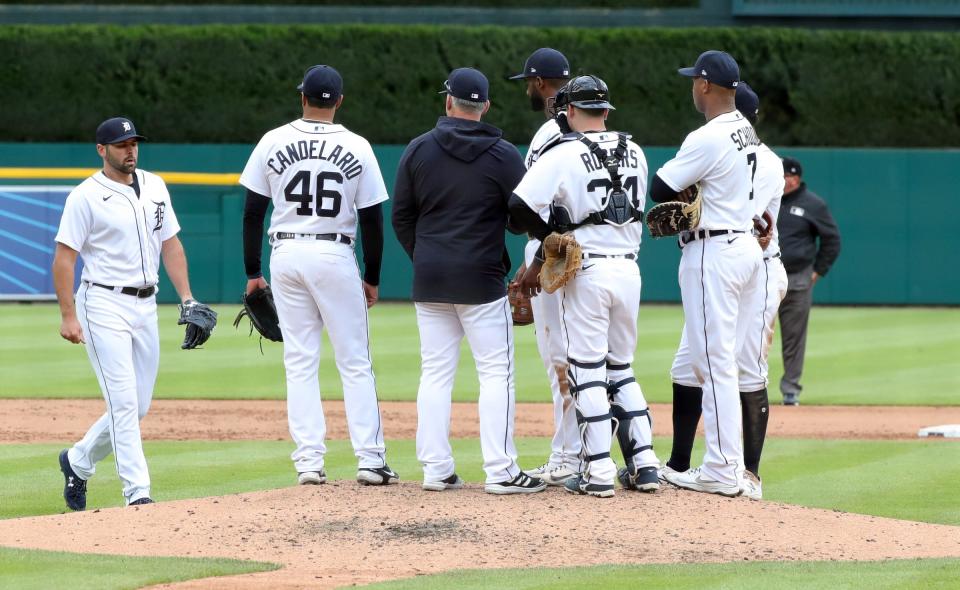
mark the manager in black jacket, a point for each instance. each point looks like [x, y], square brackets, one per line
[803, 219]
[450, 213]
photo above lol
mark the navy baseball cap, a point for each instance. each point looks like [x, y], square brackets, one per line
[792, 166]
[116, 130]
[748, 103]
[544, 63]
[716, 67]
[322, 82]
[467, 84]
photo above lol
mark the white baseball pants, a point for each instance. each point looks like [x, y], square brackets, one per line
[757, 328]
[718, 283]
[565, 445]
[488, 328]
[317, 285]
[598, 311]
[124, 348]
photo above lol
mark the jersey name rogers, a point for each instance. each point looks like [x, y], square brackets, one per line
[314, 149]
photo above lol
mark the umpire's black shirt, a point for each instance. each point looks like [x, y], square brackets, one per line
[450, 210]
[804, 217]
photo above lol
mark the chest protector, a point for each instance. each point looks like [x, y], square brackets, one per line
[618, 210]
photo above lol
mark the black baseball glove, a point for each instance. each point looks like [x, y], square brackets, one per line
[200, 321]
[261, 310]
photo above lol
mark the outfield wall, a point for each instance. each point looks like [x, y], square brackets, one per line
[886, 203]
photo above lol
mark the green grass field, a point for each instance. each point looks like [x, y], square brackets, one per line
[889, 356]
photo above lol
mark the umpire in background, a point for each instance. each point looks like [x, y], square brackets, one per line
[450, 214]
[803, 218]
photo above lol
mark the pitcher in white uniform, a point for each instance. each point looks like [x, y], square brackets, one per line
[545, 72]
[121, 222]
[321, 179]
[754, 340]
[594, 182]
[720, 262]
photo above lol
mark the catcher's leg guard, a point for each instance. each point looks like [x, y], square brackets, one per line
[756, 412]
[589, 390]
[634, 424]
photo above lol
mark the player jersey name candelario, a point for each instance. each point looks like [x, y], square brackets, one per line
[314, 149]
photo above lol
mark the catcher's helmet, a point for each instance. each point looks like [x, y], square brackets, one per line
[584, 92]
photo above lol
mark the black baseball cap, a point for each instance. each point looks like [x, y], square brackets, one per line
[322, 82]
[748, 103]
[716, 67]
[467, 84]
[544, 63]
[116, 130]
[792, 166]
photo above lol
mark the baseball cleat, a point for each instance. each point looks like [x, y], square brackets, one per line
[791, 399]
[576, 485]
[377, 476]
[540, 471]
[644, 480]
[663, 471]
[556, 476]
[751, 486]
[451, 483]
[312, 478]
[142, 502]
[693, 479]
[521, 484]
[74, 486]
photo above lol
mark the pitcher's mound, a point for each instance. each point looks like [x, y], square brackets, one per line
[341, 533]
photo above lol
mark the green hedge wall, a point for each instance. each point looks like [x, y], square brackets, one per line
[231, 83]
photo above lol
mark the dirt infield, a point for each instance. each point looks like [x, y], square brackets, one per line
[340, 534]
[45, 420]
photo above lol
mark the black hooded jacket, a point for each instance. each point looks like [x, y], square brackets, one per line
[450, 210]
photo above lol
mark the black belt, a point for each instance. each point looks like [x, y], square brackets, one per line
[281, 235]
[708, 233]
[135, 291]
[625, 256]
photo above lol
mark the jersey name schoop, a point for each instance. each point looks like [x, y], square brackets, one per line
[722, 157]
[317, 175]
[571, 176]
[119, 235]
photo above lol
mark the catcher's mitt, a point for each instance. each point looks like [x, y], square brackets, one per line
[673, 217]
[200, 321]
[561, 259]
[261, 310]
[520, 306]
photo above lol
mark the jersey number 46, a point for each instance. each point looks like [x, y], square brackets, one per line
[328, 201]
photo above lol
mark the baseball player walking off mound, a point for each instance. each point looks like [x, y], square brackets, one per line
[594, 183]
[544, 72]
[754, 342]
[450, 215]
[120, 221]
[720, 262]
[321, 178]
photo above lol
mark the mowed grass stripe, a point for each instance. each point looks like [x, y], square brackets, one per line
[877, 356]
[914, 480]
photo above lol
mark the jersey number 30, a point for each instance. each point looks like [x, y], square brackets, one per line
[328, 201]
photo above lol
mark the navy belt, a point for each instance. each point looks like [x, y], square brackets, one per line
[708, 233]
[281, 235]
[625, 256]
[134, 291]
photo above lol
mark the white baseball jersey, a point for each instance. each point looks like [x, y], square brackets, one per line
[722, 157]
[118, 234]
[318, 174]
[548, 133]
[569, 175]
[768, 191]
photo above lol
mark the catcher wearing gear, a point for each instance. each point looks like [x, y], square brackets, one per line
[593, 181]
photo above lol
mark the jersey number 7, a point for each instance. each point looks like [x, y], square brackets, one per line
[752, 162]
[328, 201]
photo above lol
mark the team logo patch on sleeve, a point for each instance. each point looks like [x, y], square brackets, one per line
[158, 215]
[798, 211]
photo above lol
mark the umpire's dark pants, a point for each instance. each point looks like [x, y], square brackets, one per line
[794, 313]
